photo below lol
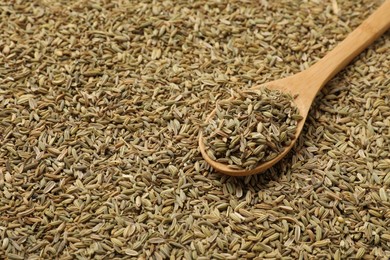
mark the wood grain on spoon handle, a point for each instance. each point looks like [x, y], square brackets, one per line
[337, 59]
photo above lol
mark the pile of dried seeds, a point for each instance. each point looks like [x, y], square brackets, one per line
[101, 104]
[254, 127]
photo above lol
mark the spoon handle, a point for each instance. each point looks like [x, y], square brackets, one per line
[371, 29]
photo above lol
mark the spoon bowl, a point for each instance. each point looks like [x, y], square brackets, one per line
[284, 85]
[309, 82]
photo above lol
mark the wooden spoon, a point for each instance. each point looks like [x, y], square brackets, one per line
[309, 82]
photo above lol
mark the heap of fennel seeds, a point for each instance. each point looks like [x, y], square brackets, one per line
[252, 128]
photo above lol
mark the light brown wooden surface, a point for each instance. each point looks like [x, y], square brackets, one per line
[307, 83]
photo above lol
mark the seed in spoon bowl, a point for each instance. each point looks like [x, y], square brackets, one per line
[253, 127]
